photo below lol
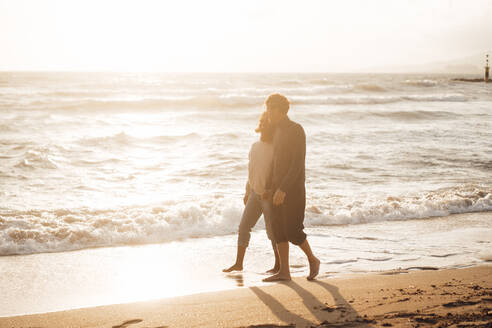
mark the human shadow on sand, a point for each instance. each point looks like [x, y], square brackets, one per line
[327, 314]
[279, 310]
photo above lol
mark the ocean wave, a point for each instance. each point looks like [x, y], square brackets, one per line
[98, 162]
[291, 82]
[58, 230]
[6, 128]
[369, 87]
[421, 83]
[121, 138]
[442, 202]
[154, 103]
[79, 93]
[322, 81]
[370, 100]
[33, 159]
[397, 115]
[439, 97]
[118, 138]
[31, 155]
[38, 231]
[415, 115]
[334, 95]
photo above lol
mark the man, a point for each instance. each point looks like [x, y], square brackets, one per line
[287, 182]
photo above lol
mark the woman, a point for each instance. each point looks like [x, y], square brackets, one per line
[255, 198]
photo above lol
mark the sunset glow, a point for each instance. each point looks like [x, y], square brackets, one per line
[245, 163]
[244, 36]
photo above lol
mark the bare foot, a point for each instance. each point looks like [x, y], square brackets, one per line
[273, 270]
[235, 267]
[278, 277]
[313, 269]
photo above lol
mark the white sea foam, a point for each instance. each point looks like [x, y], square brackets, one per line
[33, 231]
[125, 143]
[36, 159]
[442, 202]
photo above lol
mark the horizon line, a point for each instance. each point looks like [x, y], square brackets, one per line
[235, 72]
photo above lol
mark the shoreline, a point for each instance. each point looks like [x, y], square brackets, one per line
[433, 297]
[67, 281]
[185, 239]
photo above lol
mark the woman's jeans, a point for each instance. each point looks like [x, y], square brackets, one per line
[255, 206]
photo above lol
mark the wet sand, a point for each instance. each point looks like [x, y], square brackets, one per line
[424, 298]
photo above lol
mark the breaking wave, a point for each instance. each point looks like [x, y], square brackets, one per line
[37, 159]
[36, 231]
[367, 94]
[443, 202]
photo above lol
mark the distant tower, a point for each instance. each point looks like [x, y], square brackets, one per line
[487, 68]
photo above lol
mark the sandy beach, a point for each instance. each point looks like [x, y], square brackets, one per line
[423, 298]
[253, 164]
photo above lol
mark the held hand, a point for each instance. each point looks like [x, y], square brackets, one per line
[278, 197]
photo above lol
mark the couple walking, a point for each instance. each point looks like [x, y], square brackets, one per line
[276, 189]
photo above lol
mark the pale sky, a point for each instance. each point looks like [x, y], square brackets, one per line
[238, 36]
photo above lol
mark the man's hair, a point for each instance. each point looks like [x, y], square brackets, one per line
[279, 101]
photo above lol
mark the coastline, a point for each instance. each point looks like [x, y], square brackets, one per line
[442, 298]
[135, 273]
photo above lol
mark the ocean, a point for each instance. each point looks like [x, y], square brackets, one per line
[101, 172]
